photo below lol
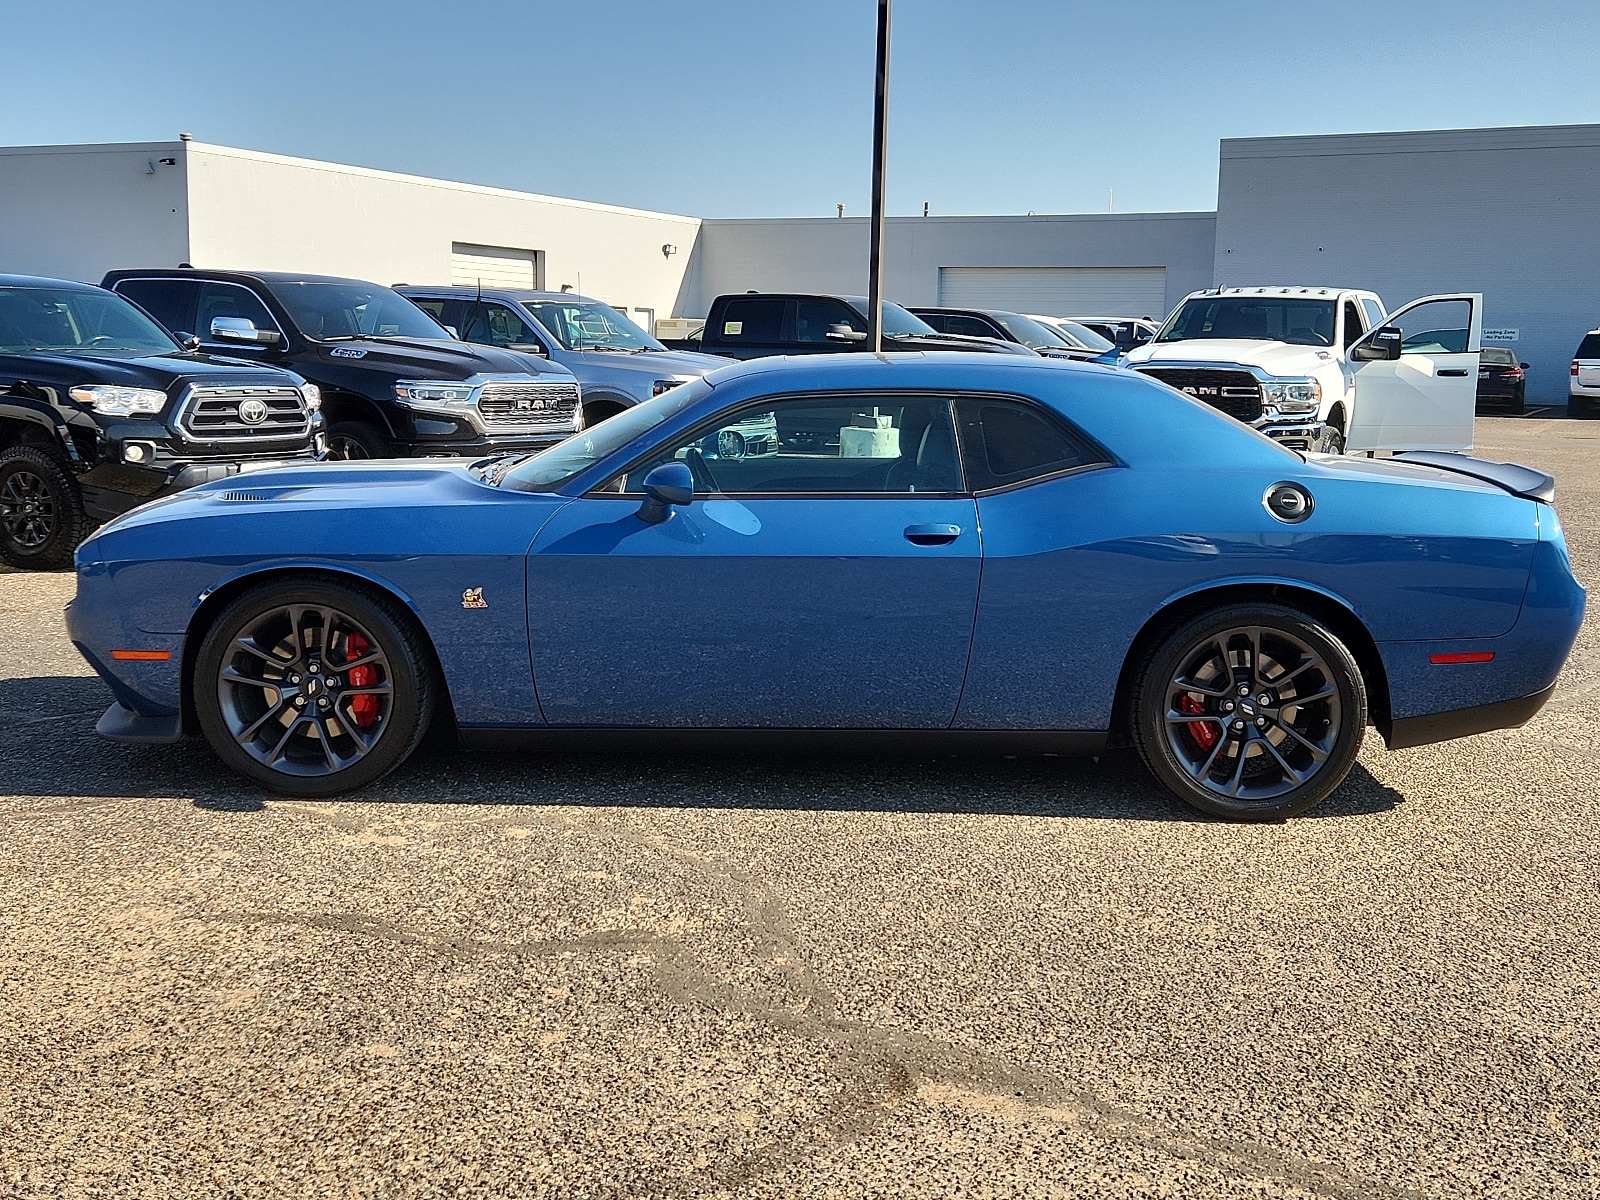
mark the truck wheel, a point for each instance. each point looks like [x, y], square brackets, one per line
[351, 440]
[312, 688]
[42, 518]
[1252, 712]
[1330, 442]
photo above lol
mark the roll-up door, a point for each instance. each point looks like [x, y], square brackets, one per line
[1058, 291]
[494, 266]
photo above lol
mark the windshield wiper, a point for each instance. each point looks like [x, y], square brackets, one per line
[611, 349]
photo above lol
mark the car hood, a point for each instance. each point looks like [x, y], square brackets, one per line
[153, 370]
[654, 362]
[426, 358]
[1276, 358]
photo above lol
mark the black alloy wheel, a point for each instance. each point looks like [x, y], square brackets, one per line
[313, 688]
[1254, 713]
[351, 441]
[42, 518]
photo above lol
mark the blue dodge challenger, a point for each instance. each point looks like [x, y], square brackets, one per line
[951, 551]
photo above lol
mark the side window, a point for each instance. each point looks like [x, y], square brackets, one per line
[1437, 327]
[497, 325]
[1374, 312]
[813, 319]
[1353, 328]
[972, 327]
[751, 321]
[885, 445]
[434, 308]
[229, 300]
[169, 301]
[1006, 442]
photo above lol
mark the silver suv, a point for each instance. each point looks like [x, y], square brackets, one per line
[1583, 391]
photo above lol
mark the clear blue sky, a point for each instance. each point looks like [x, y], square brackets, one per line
[763, 108]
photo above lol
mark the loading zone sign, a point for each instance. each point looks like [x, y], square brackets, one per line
[1501, 335]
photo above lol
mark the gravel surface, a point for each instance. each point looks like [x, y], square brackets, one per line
[578, 976]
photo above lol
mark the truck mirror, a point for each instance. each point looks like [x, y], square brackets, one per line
[1383, 345]
[841, 332]
[242, 330]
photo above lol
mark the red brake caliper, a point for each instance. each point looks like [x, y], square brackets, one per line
[1203, 732]
[364, 709]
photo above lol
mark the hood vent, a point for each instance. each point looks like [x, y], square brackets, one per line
[242, 496]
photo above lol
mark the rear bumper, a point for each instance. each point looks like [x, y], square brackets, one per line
[1464, 722]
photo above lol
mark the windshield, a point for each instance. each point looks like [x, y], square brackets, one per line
[1253, 318]
[549, 469]
[327, 312]
[589, 325]
[897, 322]
[1086, 336]
[67, 320]
[1033, 334]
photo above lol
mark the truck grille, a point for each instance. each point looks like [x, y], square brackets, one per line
[240, 414]
[1235, 392]
[508, 404]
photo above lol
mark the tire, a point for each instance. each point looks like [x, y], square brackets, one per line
[600, 410]
[350, 441]
[42, 518]
[1580, 407]
[1287, 757]
[248, 690]
[1331, 441]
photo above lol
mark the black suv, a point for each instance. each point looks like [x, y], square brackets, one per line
[394, 381]
[101, 410]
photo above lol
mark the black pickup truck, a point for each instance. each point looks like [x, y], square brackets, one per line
[101, 409]
[394, 381]
[759, 324]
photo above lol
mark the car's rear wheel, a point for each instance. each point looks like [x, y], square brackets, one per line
[353, 440]
[313, 688]
[42, 518]
[1251, 712]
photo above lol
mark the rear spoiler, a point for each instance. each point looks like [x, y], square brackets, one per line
[1516, 479]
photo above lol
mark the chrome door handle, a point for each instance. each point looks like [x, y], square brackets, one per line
[932, 535]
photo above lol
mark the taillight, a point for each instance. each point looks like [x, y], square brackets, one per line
[1514, 373]
[1574, 366]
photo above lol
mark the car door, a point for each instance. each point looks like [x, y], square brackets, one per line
[1424, 398]
[809, 585]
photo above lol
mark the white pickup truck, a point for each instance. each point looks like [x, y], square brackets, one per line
[1327, 369]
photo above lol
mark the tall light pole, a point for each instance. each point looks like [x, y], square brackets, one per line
[880, 121]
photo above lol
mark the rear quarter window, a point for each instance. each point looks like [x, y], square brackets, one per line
[1008, 442]
[750, 321]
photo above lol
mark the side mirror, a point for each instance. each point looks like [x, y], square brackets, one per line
[843, 333]
[1524, 366]
[242, 330]
[189, 341]
[530, 348]
[669, 484]
[1382, 346]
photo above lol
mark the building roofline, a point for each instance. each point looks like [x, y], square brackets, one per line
[970, 217]
[1415, 141]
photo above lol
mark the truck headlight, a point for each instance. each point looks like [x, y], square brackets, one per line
[313, 396]
[1293, 395]
[433, 395]
[113, 401]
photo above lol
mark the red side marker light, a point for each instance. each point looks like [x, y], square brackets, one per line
[142, 655]
[1476, 656]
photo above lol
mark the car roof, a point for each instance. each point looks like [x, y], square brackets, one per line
[894, 368]
[464, 291]
[235, 276]
[1281, 290]
[33, 281]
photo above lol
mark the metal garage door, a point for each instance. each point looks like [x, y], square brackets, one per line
[1058, 291]
[494, 266]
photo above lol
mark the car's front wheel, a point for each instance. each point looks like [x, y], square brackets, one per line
[1251, 712]
[42, 518]
[351, 441]
[312, 687]
[1330, 441]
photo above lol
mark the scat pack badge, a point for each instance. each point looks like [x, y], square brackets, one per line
[473, 598]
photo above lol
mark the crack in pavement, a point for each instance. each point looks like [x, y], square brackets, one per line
[885, 1065]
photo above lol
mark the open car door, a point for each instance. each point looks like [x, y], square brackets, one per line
[1416, 377]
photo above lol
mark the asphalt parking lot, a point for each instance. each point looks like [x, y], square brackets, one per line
[580, 976]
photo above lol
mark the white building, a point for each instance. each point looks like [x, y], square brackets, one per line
[1508, 212]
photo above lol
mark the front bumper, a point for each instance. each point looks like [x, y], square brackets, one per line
[1297, 433]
